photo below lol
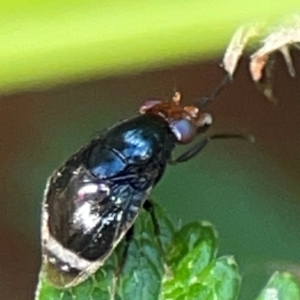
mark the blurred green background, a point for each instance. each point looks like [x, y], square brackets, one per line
[249, 191]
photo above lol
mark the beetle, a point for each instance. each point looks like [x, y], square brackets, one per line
[93, 199]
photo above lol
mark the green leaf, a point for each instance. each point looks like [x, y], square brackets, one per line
[281, 286]
[143, 270]
[220, 280]
[50, 42]
[190, 237]
[195, 272]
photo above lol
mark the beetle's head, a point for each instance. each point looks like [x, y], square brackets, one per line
[184, 121]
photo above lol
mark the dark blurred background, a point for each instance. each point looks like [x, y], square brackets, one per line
[249, 191]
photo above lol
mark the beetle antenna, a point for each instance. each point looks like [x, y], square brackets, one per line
[203, 101]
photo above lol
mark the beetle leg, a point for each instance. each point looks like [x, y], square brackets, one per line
[195, 149]
[190, 153]
[149, 206]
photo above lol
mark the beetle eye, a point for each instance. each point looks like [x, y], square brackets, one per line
[148, 104]
[184, 130]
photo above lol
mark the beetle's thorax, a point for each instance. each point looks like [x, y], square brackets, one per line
[142, 139]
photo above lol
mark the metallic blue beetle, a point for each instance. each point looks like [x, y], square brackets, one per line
[94, 198]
